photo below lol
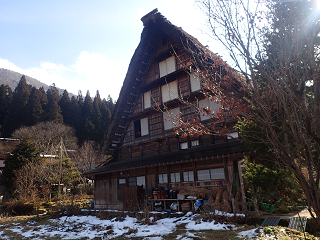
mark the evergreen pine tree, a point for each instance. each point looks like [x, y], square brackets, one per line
[65, 105]
[53, 110]
[76, 118]
[18, 110]
[44, 101]
[88, 113]
[5, 103]
[106, 115]
[34, 108]
[24, 153]
[97, 119]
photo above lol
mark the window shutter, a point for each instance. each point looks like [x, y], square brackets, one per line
[144, 126]
[163, 68]
[147, 100]
[169, 91]
[167, 66]
[171, 64]
[170, 118]
[210, 104]
[195, 82]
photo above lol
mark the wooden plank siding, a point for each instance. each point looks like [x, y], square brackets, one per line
[138, 106]
[155, 96]
[155, 124]
[109, 194]
[153, 73]
[183, 59]
[150, 148]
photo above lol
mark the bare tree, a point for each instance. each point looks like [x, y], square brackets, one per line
[47, 135]
[87, 157]
[274, 45]
[30, 182]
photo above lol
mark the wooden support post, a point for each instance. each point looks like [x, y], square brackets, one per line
[168, 144]
[242, 186]
[194, 173]
[225, 166]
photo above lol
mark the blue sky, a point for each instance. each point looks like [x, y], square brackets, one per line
[83, 45]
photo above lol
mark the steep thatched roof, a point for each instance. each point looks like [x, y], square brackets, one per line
[156, 27]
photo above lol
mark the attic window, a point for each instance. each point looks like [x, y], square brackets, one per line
[167, 66]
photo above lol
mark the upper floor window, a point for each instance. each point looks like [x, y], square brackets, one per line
[141, 127]
[147, 100]
[167, 66]
[195, 82]
[170, 118]
[169, 91]
[212, 107]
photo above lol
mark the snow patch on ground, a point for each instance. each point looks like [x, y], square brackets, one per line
[76, 227]
[250, 234]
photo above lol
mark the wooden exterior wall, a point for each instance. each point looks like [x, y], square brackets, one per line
[109, 194]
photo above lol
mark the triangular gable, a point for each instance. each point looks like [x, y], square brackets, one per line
[158, 36]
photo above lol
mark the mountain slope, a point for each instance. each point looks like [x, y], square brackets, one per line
[11, 78]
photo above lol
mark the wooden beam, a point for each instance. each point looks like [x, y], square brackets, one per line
[225, 166]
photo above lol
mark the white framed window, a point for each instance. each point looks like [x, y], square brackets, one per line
[141, 181]
[210, 174]
[163, 178]
[195, 143]
[184, 145]
[122, 181]
[137, 181]
[132, 181]
[175, 177]
[147, 100]
[169, 91]
[212, 106]
[233, 135]
[144, 126]
[171, 118]
[188, 176]
[203, 174]
[217, 173]
[167, 66]
[195, 82]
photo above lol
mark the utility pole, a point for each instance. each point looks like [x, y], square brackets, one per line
[60, 168]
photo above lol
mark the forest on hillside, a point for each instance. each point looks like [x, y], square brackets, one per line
[27, 106]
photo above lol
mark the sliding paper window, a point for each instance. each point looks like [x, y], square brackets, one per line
[167, 66]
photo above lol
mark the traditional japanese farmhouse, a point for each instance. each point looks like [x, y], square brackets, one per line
[141, 140]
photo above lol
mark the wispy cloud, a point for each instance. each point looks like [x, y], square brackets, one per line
[91, 71]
